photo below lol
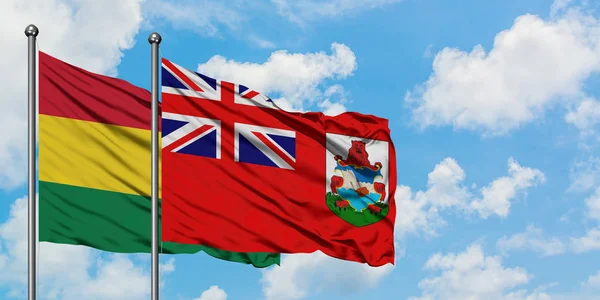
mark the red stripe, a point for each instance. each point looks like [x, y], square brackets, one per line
[234, 112]
[267, 142]
[188, 137]
[250, 95]
[71, 92]
[179, 74]
[227, 92]
[227, 105]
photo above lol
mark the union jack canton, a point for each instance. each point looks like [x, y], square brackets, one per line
[200, 136]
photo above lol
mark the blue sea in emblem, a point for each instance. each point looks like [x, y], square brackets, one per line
[359, 203]
[362, 175]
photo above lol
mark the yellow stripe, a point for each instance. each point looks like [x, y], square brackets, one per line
[94, 155]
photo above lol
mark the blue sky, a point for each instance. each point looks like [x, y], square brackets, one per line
[493, 113]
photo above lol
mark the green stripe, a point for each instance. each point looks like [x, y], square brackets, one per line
[114, 222]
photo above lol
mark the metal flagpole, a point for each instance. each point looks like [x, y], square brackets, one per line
[31, 32]
[154, 39]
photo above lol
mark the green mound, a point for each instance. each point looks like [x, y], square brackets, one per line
[356, 218]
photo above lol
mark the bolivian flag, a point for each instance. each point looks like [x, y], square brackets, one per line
[94, 164]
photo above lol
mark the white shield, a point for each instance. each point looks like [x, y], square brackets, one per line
[378, 151]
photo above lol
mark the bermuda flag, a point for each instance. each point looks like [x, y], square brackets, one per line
[241, 174]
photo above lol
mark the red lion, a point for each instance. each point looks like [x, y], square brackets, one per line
[358, 157]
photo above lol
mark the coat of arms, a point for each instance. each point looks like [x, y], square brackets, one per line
[357, 187]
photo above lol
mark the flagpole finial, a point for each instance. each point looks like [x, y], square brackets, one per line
[154, 38]
[31, 30]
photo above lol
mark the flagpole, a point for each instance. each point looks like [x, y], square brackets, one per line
[154, 39]
[31, 32]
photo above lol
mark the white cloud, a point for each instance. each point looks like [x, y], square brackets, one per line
[417, 214]
[428, 51]
[496, 197]
[421, 209]
[593, 282]
[559, 6]
[167, 267]
[585, 174]
[117, 278]
[216, 19]
[593, 205]
[444, 185]
[78, 32]
[447, 191]
[532, 239]
[472, 275]
[334, 103]
[524, 295]
[202, 16]
[532, 66]
[261, 42]
[332, 109]
[585, 116]
[213, 293]
[317, 272]
[301, 11]
[589, 242]
[69, 271]
[296, 77]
